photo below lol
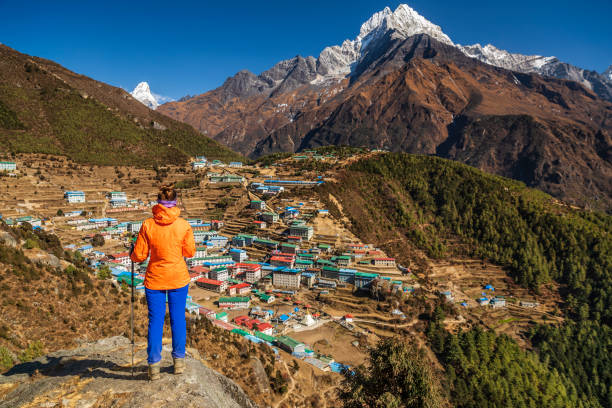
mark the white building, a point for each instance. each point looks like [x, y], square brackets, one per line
[201, 252]
[253, 275]
[74, 196]
[8, 166]
[134, 226]
[117, 195]
[302, 231]
[196, 165]
[287, 278]
[117, 199]
[219, 274]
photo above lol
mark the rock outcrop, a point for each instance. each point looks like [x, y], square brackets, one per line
[99, 375]
[42, 257]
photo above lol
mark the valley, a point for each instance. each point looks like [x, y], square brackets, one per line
[346, 321]
[400, 221]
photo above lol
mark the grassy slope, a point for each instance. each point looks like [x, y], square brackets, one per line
[45, 108]
[403, 202]
[431, 202]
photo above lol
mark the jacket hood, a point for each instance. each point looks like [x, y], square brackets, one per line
[165, 216]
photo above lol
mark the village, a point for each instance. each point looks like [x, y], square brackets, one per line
[270, 266]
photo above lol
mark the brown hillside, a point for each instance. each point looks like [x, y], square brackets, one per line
[421, 96]
[45, 108]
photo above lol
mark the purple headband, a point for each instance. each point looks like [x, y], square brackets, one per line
[167, 204]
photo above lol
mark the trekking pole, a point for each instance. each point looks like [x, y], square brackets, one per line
[132, 309]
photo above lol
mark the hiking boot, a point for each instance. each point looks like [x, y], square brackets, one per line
[179, 365]
[154, 371]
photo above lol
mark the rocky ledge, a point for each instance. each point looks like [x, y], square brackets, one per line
[99, 374]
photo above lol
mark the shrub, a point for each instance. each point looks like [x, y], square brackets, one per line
[97, 240]
[34, 350]
[6, 361]
[104, 272]
[31, 243]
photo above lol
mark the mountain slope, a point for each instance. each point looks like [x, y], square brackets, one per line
[409, 203]
[428, 200]
[608, 73]
[45, 108]
[403, 85]
[421, 96]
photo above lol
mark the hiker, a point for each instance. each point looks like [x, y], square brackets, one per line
[168, 239]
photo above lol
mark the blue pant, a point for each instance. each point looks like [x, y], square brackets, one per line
[156, 301]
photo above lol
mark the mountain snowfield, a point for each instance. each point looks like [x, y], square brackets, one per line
[142, 93]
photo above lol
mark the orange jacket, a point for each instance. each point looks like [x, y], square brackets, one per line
[168, 238]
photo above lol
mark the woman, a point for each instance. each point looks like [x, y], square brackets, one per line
[168, 239]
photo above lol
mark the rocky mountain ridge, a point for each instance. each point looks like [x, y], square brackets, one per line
[552, 67]
[339, 61]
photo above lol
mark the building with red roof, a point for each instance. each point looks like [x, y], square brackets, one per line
[239, 289]
[241, 319]
[260, 224]
[122, 258]
[251, 323]
[212, 284]
[282, 261]
[265, 328]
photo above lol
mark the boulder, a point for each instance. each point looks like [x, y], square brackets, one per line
[42, 257]
[7, 239]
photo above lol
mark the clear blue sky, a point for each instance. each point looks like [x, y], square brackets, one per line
[183, 47]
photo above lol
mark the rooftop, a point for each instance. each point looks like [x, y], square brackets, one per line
[234, 299]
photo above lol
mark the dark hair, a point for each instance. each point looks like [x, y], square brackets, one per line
[167, 193]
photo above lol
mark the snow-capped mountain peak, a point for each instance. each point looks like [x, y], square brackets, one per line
[337, 61]
[142, 93]
[374, 22]
[341, 61]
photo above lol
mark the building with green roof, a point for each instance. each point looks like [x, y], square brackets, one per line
[363, 280]
[7, 166]
[303, 263]
[342, 260]
[324, 262]
[235, 302]
[290, 345]
[265, 337]
[241, 332]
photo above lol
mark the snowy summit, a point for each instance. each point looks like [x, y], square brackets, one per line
[339, 61]
[142, 93]
[404, 22]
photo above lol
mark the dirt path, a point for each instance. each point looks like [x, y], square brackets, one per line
[289, 389]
